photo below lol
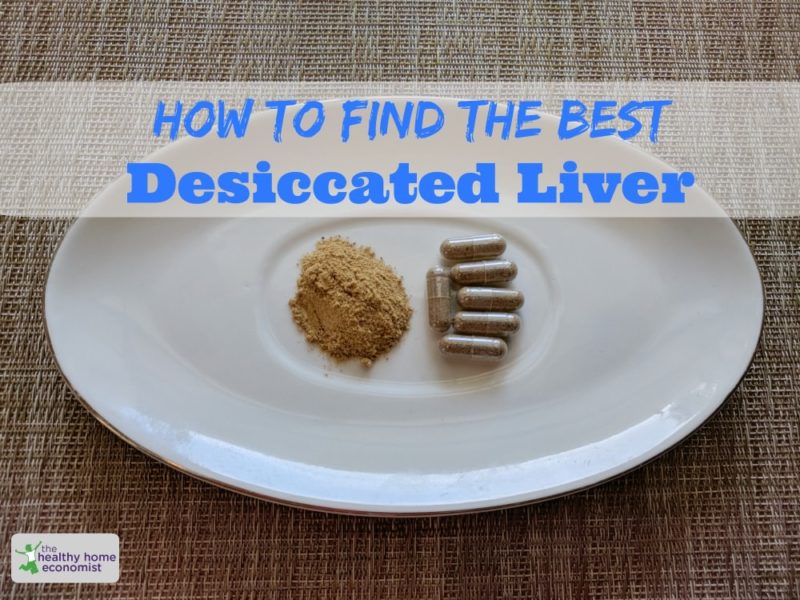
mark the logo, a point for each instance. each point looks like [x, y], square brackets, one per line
[29, 563]
[65, 558]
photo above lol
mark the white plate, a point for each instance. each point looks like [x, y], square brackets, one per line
[177, 335]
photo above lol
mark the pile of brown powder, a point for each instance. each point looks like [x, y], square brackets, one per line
[349, 302]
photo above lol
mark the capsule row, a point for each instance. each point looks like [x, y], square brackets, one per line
[476, 273]
[482, 272]
[480, 335]
[473, 247]
[473, 346]
[480, 330]
[488, 321]
[487, 298]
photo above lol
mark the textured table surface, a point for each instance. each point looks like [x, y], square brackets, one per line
[718, 517]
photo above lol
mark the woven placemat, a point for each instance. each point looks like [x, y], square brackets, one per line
[718, 517]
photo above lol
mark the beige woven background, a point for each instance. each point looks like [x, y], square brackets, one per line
[719, 517]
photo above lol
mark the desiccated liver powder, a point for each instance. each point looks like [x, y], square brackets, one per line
[349, 302]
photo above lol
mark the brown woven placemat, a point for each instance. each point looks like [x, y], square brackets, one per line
[718, 517]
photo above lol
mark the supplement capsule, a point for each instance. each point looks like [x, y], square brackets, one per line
[484, 271]
[473, 247]
[438, 280]
[473, 346]
[481, 298]
[486, 323]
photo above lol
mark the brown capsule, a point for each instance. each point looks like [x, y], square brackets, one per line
[481, 298]
[473, 247]
[486, 323]
[484, 271]
[473, 346]
[438, 280]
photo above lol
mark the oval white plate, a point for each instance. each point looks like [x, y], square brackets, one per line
[176, 334]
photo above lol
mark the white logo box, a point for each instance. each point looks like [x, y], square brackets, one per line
[65, 558]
